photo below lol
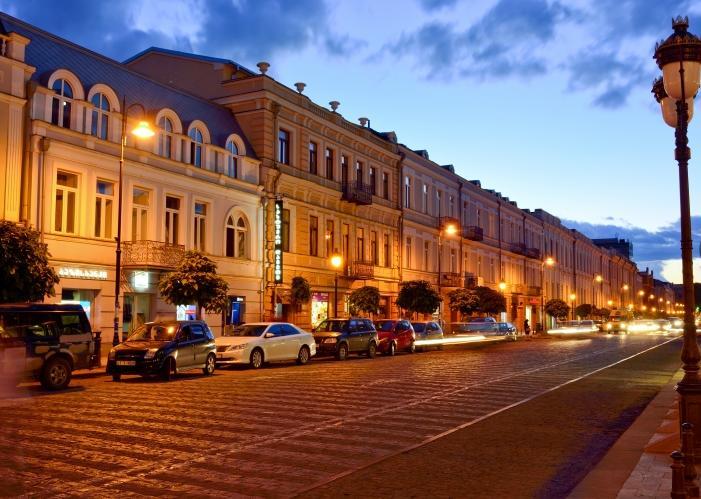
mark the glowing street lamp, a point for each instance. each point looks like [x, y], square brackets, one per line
[573, 298]
[547, 262]
[336, 262]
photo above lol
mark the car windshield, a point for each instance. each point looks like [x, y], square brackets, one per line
[154, 332]
[419, 326]
[482, 319]
[248, 330]
[331, 326]
[384, 325]
[479, 326]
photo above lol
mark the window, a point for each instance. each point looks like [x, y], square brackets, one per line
[313, 236]
[200, 226]
[424, 198]
[385, 250]
[330, 238]
[65, 194]
[385, 185]
[451, 205]
[407, 253]
[360, 245]
[439, 199]
[104, 197]
[373, 180]
[359, 172]
[236, 237]
[283, 146]
[165, 137]
[329, 163]
[61, 103]
[344, 169]
[407, 192]
[374, 250]
[285, 230]
[100, 116]
[232, 161]
[172, 220]
[427, 254]
[312, 158]
[345, 235]
[139, 214]
[453, 261]
[196, 147]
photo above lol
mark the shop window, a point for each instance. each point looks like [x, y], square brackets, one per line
[104, 200]
[65, 195]
[61, 103]
[139, 214]
[172, 220]
[199, 233]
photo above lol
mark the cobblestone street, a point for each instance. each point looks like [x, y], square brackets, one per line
[274, 432]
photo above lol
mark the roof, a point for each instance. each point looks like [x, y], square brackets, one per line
[41, 307]
[48, 53]
[187, 55]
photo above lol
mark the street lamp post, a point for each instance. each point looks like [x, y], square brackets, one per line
[141, 131]
[679, 58]
[600, 279]
[549, 261]
[449, 228]
[573, 301]
[624, 294]
[336, 262]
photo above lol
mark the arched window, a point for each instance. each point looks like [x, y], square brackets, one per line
[100, 116]
[196, 147]
[232, 160]
[61, 103]
[165, 137]
[236, 237]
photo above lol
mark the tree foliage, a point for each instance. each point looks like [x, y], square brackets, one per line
[603, 313]
[557, 308]
[490, 301]
[25, 273]
[418, 296]
[583, 310]
[195, 280]
[365, 299]
[464, 301]
[300, 291]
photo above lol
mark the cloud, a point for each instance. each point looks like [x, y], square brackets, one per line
[431, 5]
[243, 30]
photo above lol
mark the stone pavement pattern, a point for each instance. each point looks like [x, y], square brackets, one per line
[274, 432]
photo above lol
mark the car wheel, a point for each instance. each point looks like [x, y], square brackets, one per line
[303, 355]
[372, 349]
[56, 374]
[168, 369]
[342, 352]
[116, 377]
[412, 347]
[257, 358]
[209, 365]
[391, 349]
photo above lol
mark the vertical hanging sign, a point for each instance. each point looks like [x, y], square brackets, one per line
[277, 253]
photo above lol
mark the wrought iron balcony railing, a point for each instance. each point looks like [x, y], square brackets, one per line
[154, 254]
[361, 270]
[533, 253]
[450, 279]
[519, 248]
[533, 291]
[471, 281]
[356, 192]
[473, 232]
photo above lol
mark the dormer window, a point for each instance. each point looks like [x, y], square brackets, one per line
[232, 161]
[196, 147]
[100, 116]
[165, 137]
[61, 103]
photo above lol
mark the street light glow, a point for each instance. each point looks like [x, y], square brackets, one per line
[502, 285]
[549, 261]
[573, 297]
[625, 287]
[598, 278]
[336, 261]
[451, 229]
[143, 130]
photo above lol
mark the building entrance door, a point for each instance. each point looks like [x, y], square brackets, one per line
[136, 311]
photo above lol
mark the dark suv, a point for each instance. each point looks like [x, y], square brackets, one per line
[46, 342]
[164, 348]
[339, 337]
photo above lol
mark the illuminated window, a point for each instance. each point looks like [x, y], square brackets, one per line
[172, 220]
[104, 200]
[199, 233]
[139, 214]
[65, 194]
[61, 103]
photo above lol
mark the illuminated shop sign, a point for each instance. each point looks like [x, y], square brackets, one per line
[82, 273]
[277, 253]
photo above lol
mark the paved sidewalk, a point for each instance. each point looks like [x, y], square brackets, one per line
[638, 464]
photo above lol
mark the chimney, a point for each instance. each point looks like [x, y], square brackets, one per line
[263, 67]
[300, 86]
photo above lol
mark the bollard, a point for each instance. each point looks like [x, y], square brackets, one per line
[678, 491]
[692, 486]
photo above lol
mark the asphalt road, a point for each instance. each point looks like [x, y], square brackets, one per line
[354, 428]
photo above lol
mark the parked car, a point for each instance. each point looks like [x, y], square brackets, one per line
[339, 337]
[395, 335]
[507, 329]
[164, 348]
[260, 342]
[46, 342]
[427, 330]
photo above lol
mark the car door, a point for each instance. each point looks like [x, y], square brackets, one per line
[368, 333]
[186, 351]
[292, 341]
[273, 343]
[355, 335]
[200, 344]
[75, 331]
[403, 334]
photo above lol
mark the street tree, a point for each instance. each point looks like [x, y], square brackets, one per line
[418, 296]
[365, 299]
[25, 272]
[583, 310]
[557, 308]
[464, 301]
[491, 302]
[195, 280]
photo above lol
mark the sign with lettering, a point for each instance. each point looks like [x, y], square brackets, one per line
[277, 250]
[82, 273]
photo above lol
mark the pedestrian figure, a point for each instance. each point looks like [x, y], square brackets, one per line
[527, 329]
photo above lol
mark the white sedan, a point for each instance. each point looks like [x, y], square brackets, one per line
[260, 342]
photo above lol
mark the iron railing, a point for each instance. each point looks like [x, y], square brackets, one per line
[151, 254]
[361, 270]
[356, 192]
[533, 253]
[450, 279]
[473, 232]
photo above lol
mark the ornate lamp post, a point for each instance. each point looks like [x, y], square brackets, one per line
[142, 131]
[548, 261]
[336, 261]
[679, 58]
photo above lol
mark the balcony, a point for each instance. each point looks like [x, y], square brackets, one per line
[151, 254]
[533, 291]
[533, 253]
[356, 192]
[473, 232]
[361, 270]
[471, 281]
[518, 248]
[450, 279]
